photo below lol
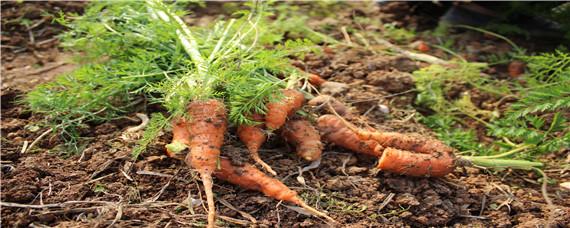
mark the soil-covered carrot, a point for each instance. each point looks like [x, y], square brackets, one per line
[249, 177]
[277, 112]
[436, 164]
[207, 125]
[316, 80]
[335, 131]
[180, 138]
[323, 101]
[304, 137]
[253, 137]
[416, 143]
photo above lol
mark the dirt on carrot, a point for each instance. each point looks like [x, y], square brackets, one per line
[414, 164]
[334, 131]
[277, 112]
[304, 137]
[207, 126]
[253, 136]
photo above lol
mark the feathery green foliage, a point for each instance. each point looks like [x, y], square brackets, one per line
[143, 50]
[535, 122]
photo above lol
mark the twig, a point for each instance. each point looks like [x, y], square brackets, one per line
[346, 36]
[100, 178]
[417, 56]
[144, 123]
[48, 68]
[243, 213]
[386, 201]
[543, 188]
[38, 139]
[9, 204]
[24, 147]
[117, 216]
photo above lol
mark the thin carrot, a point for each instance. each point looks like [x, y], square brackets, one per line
[206, 126]
[335, 131]
[277, 112]
[437, 164]
[416, 143]
[304, 137]
[249, 177]
[253, 137]
[322, 101]
[180, 138]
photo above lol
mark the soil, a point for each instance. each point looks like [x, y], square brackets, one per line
[158, 192]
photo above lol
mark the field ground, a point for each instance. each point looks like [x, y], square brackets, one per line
[158, 192]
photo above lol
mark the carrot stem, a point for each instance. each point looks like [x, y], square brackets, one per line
[502, 163]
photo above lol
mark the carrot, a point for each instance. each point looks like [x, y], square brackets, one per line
[206, 126]
[416, 143]
[304, 137]
[180, 138]
[335, 131]
[413, 164]
[253, 137]
[316, 80]
[249, 177]
[337, 106]
[277, 112]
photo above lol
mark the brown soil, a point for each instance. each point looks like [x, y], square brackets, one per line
[156, 191]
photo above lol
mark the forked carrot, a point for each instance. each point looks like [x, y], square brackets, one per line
[437, 164]
[416, 143]
[206, 126]
[335, 131]
[277, 112]
[249, 177]
[253, 137]
[304, 137]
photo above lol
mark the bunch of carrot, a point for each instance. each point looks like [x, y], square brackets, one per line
[203, 133]
[300, 133]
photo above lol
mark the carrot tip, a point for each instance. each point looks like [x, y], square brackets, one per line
[316, 212]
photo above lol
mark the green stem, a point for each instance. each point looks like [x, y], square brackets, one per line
[513, 151]
[502, 163]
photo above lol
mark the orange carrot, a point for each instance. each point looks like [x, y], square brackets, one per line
[304, 137]
[413, 164]
[277, 112]
[335, 131]
[253, 137]
[206, 126]
[316, 80]
[423, 47]
[323, 101]
[416, 143]
[180, 138]
[249, 177]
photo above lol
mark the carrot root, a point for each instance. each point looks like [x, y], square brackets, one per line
[414, 164]
[206, 126]
[277, 112]
[253, 137]
[249, 177]
[304, 137]
[408, 142]
[335, 131]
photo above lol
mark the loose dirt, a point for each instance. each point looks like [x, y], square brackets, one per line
[157, 191]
